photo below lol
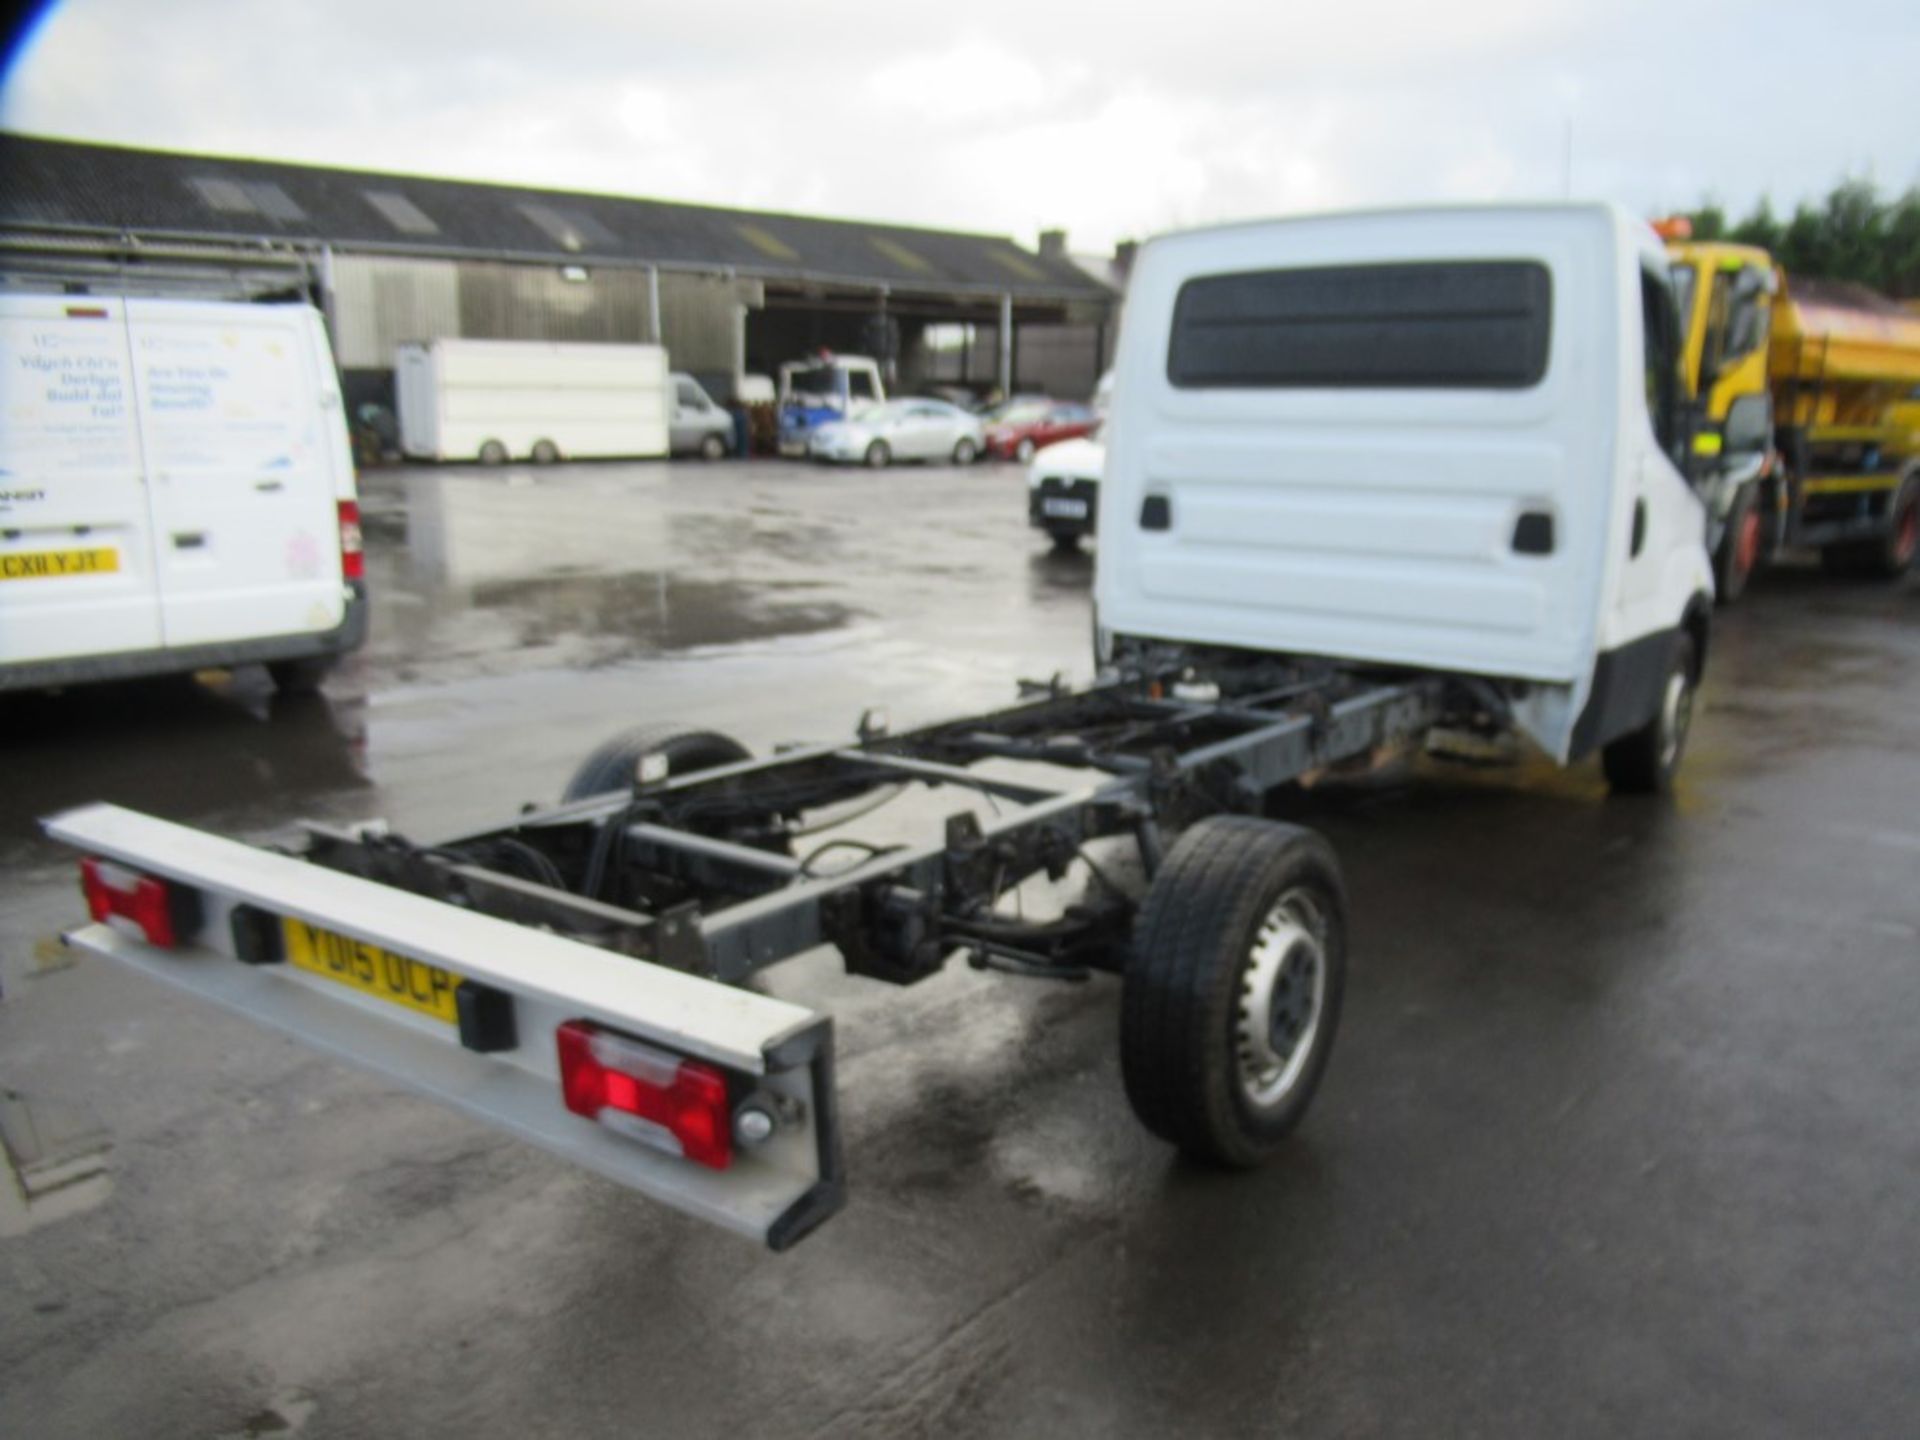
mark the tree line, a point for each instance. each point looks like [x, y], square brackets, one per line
[1855, 235]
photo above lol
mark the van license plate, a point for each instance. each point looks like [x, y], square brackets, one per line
[397, 979]
[1065, 509]
[52, 564]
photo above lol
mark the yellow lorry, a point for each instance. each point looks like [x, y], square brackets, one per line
[1808, 413]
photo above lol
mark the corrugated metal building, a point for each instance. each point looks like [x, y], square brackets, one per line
[392, 258]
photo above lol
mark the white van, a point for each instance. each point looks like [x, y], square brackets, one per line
[499, 400]
[1441, 439]
[176, 492]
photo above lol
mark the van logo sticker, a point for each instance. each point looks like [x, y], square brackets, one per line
[303, 557]
[279, 462]
[9, 497]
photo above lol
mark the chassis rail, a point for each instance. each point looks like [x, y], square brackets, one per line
[643, 912]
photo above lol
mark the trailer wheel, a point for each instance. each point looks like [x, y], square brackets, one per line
[612, 766]
[545, 452]
[878, 455]
[1645, 762]
[1739, 553]
[1233, 989]
[492, 452]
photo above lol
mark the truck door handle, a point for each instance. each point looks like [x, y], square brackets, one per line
[1639, 529]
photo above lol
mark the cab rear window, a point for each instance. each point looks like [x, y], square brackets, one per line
[1448, 325]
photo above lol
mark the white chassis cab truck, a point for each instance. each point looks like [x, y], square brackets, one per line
[1370, 477]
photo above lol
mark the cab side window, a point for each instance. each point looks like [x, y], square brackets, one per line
[1661, 328]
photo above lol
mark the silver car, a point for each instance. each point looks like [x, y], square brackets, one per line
[901, 430]
[695, 425]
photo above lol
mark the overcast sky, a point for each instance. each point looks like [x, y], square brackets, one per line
[1011, 117]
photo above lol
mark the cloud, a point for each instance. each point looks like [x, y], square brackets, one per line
[1003, 116]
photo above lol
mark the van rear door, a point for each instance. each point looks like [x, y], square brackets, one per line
[241, 424]
[76, 554]
[1376, 437]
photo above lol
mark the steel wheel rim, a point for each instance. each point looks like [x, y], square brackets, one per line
[1676, 714]
[1283, 999]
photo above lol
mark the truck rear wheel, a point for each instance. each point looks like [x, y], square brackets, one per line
[1645, 762]
[615, 764]
[492, 452]
[545, 452]
[1893, 556]
[1233, 989]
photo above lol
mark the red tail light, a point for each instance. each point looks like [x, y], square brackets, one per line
[649, 1095]
[164, 914]
[353, 559]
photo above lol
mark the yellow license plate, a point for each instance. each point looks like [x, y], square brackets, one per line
[367, 968]
[53, 564]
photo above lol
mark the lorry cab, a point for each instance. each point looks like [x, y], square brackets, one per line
[1449, 440]
[826, 388]
[176, 491]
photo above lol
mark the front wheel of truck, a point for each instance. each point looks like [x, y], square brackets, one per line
[615, 764]
[1232, 991]
[1646, 761]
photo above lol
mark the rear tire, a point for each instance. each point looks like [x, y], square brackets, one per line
[492, 452]
[1739, 553]
[713, 448]
[1233, 989]
[1645, 762]
[545, 452]
[1893, 555]
[879, 456]
[302, 676]
[613, 765]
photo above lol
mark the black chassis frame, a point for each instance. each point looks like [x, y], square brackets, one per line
[696, 872]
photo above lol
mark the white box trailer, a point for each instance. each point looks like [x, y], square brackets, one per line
[176, 491]
[497, 400]
[1372, 479]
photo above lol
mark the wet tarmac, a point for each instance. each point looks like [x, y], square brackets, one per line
[1620, 1135]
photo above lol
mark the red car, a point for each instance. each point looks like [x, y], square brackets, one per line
[1029, 425]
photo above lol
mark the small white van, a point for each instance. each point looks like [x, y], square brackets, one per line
[176, 492]
[1445, 439]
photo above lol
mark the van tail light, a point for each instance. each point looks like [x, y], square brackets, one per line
[164, 914]
[649, 1095]
[353, 557]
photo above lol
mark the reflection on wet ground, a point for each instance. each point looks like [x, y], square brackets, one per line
[927, 579]
[180, 748]
[592, 565]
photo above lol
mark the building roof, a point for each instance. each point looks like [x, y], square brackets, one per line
[48, 183]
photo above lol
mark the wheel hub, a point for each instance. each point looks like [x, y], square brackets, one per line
[1282, 998]
[1676, 714]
